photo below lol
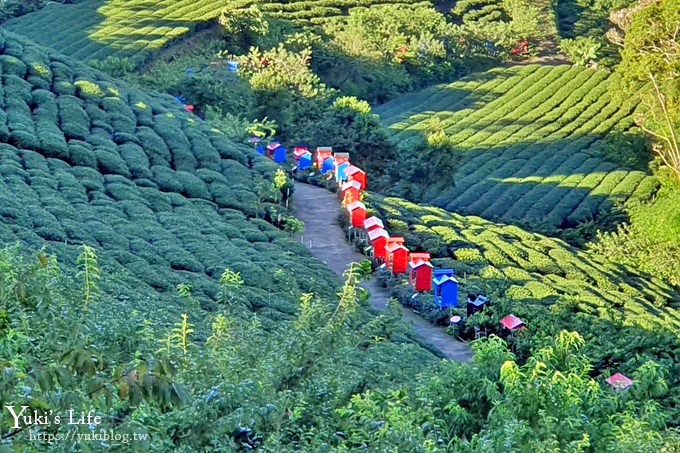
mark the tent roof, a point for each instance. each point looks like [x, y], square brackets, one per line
[299, 151]
[324, 149]
[378, 232]
[418, 263]
[512, 322]
[420, 256]
[444, 271]
[356, 205]
[619, 381]
[373, 221]
[394, 247]
[354, 169]
[479, 301]
[272, 146]
[444, 279]
[350, 184]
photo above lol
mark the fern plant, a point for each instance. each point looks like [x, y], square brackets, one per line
[89, 272]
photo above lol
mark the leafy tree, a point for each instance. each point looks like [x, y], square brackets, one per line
[582, 50]
[649, 70]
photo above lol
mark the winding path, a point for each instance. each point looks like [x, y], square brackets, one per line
[319, 209]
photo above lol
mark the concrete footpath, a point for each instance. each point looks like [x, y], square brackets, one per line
[319, 210]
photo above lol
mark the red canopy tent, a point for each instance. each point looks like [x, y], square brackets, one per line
[397, 257]
[512, 322]
[350, 191]
[398, 240]
[340, 158]
[356, 174]
[357, 213]
[322, 153]
[298, 151]
[378, 238]
[421, 273]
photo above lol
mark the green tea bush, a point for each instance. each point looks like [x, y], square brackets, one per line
[534, 143]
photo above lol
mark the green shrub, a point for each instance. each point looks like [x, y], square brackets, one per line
[88, 90]
[73, 120]
[166, 180]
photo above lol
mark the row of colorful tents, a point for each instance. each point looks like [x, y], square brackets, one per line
[390, 251]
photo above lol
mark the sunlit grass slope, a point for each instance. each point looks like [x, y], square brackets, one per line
[135, 29]
[532, 140]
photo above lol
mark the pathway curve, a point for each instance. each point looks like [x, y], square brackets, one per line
[319, 209]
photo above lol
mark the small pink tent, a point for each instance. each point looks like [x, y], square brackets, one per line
[619, 381]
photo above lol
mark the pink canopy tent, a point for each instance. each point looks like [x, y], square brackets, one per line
[512, 322]
[619, 381]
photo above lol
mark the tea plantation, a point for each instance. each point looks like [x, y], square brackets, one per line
[97, 29]
[547, 283]
[87, 160]
[167, 203]
[532, 141]
[150, 273]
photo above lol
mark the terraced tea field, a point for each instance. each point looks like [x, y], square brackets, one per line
[316, 12]
[527, 268]
[96, 29]
[532, 140]
[479, 11]
[162, 197]
[135, 29]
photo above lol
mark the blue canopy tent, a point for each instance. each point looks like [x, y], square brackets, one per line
[442, 272]
[475, 303]
[340, 175]
[260, 149]
[305, 161]
[327, 165]
[445, 288]
[232, 65]
[279, 155]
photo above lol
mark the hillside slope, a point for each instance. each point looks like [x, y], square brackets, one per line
[136, 29]
[531, 141]
[167, 199]
[168, 204]
[626, 316]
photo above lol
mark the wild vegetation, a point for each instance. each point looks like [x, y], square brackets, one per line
[582, 26]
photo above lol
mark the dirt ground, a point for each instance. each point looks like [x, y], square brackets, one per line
[319, 210]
